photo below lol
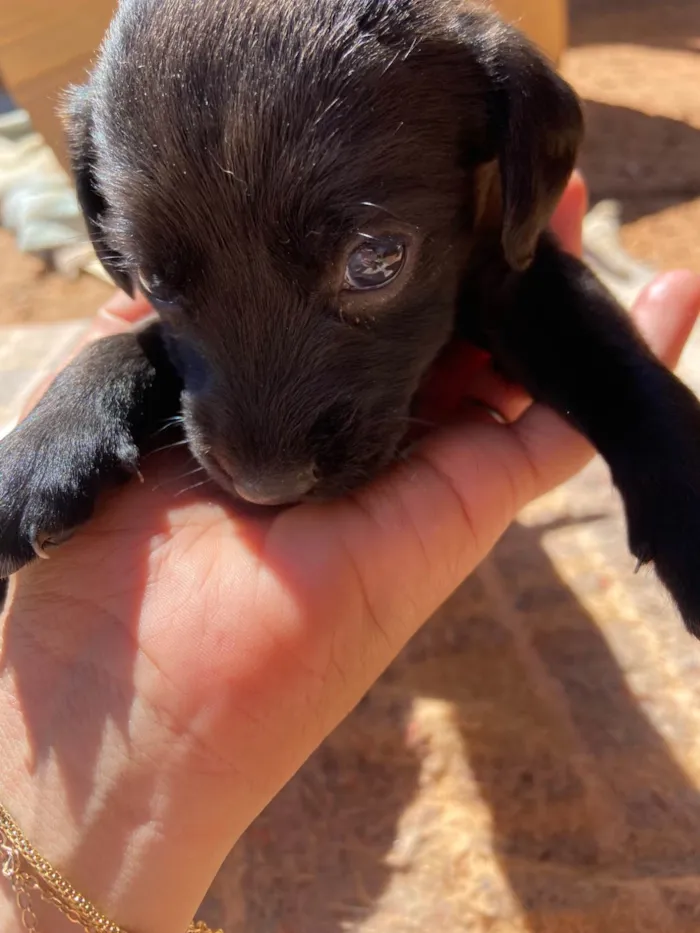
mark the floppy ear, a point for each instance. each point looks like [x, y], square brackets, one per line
[537, 128]
[78, 122]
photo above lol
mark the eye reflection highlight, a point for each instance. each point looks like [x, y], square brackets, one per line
[375, 263]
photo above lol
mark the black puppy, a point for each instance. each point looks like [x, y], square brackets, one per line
[316, 196]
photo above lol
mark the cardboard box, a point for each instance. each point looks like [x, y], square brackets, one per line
[546, 22]
[45, 46]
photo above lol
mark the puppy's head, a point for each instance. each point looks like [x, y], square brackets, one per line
[302, 190]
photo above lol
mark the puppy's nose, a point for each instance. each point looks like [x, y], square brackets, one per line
[283, 489]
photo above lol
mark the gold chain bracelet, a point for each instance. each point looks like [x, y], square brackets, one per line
[29, 873]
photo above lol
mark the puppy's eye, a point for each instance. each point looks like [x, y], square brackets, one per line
[155, 290]
[375, 263]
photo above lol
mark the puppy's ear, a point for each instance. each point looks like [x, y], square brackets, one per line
[537, 127]
[77, 114]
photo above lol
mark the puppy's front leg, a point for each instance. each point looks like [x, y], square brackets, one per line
[86, 431]
[560, 333]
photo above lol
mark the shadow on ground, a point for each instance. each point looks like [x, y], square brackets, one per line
[666, 24]
[643, 161]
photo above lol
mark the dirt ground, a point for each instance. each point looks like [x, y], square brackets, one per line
[531, 763]
[29, 294]
[636, 63]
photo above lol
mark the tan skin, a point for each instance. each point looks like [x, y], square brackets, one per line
[171, 667]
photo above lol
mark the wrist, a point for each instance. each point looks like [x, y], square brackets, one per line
[132, 831]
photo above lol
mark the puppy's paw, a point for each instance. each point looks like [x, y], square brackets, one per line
[50, 477]
[664, 530]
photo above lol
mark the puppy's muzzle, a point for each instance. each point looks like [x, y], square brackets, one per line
[274, 489]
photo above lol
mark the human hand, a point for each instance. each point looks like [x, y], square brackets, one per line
[174, 664]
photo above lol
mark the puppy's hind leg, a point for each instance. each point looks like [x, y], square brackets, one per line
[557, 331]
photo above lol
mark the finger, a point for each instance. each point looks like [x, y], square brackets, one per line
[123, 308]
[464, 375]
[118, 315]
[666, 312]
[567, 222]
[494, 391]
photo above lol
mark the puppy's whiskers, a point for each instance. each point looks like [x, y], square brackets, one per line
[197, 469]
[173, 480]
[169, 423]
[192, 487]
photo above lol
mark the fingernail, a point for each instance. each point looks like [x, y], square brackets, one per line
[680, 286]
[122, 309]
[578, 183]
[476, 410]
[567, 222]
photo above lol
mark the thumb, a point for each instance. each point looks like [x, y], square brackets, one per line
[118, 315]
[666, 312]
[567, 222]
